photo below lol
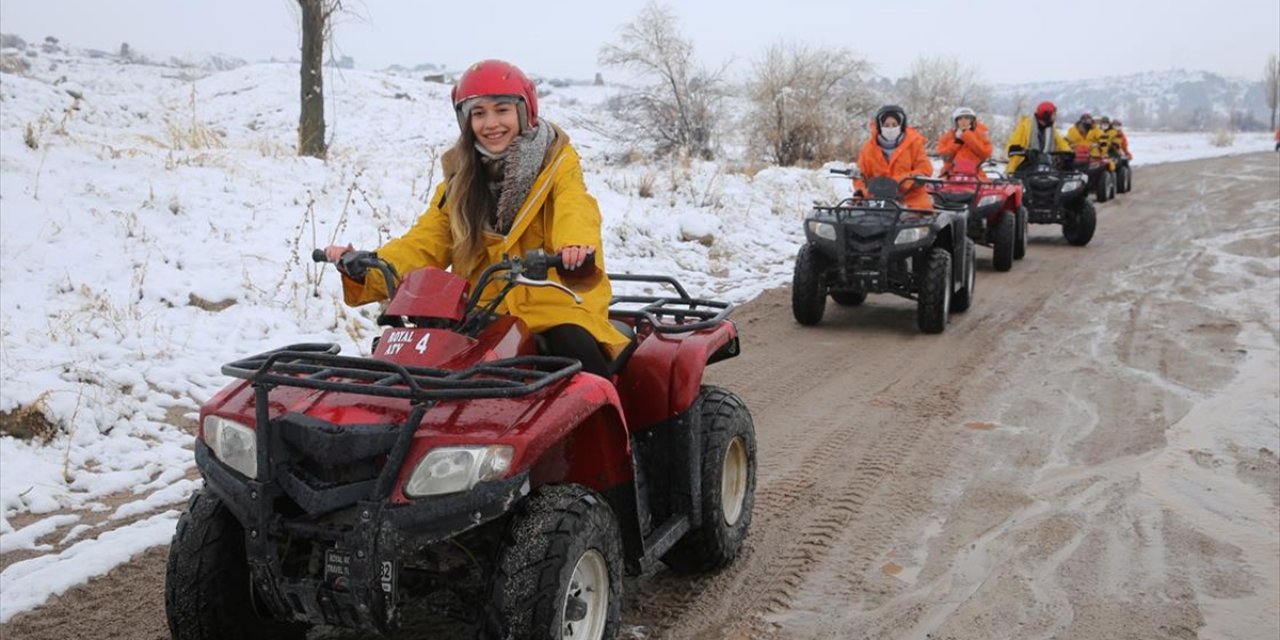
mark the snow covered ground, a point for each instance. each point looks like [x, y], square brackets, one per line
[161, 226]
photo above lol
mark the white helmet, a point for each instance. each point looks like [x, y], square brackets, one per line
[961, 112]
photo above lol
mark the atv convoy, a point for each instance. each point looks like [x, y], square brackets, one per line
[1054, 193]
[997, 218]
[875, 245]
[456, 458]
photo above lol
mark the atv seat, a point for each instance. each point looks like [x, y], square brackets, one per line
[619, 363]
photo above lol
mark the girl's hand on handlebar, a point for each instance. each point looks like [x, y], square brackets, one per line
[573, 256]
[333, 251]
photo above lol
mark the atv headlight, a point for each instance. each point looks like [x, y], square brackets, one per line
[822, 230]
[994, 198]
[233, 443]
[911, 234]
[1071, 185]
[454, 469]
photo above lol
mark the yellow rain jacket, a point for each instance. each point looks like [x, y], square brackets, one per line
[558, 212]
[1092, 139]
[1022, 138]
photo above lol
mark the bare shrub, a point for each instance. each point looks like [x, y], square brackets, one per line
[678, 108]
[1222, 138]
[807, 102]
[936, 86]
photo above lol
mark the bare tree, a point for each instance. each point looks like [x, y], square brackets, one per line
[936, 86]
[678, 107]
[1271, 83]
[807, 103]
[316, 32]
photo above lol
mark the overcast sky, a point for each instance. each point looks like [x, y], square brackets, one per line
[1008, 40]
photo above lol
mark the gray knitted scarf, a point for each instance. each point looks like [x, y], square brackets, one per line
[512, 172]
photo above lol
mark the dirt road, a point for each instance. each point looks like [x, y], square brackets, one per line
[1072, 458]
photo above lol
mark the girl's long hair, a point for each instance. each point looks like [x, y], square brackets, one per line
[469, 199]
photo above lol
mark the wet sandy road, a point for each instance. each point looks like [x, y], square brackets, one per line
[1019, 476]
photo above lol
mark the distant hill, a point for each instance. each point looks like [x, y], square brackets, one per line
[1175, 100]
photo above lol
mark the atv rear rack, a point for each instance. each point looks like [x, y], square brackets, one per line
[669, 314]
[317, 366]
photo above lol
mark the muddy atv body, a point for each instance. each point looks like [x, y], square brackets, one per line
[996, 217]
[875, 245]
[1055, 193]
[456, 458]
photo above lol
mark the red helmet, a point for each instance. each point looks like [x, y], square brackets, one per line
[1045, 110]
[496, 78]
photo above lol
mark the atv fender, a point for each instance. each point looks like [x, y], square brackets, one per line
[575, 433]
[664, 375]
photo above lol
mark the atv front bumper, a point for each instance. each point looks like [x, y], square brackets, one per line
[350, 577]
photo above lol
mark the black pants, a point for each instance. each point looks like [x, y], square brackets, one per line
[573, 341]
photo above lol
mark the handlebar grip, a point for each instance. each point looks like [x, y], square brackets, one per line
[317, 255]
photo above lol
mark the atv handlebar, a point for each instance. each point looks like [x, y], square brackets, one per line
[530, 271]
[354, 264]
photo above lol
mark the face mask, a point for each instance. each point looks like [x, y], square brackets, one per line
[890, 132]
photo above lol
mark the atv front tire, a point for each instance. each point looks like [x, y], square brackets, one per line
[1103, 186]
[935, 291]
[1005, 242]
[207, 592]
[808, 295]
[1124, 179]
[963, 298]
[728, 485]
[1020, 237]
[1078, 229]
[559, 571]
[849, 298]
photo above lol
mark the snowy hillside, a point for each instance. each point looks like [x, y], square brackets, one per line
[1179, 100]
[154, 224]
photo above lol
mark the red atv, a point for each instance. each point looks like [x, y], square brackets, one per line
[997, 218]
[458, 459]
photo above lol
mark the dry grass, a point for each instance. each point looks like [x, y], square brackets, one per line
[645, 189]
[29, 422]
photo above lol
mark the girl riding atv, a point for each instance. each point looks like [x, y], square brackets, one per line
[512, 184]
[966, 146]
[895, 151]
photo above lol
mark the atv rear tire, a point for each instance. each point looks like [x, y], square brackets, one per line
[808, 293]
[559, 571]
[935, 291]
[1020, 237]
[1005, 241]
[963, 298]
[1079, 230]
[1124, 179]
[207, 591]
[849, 298]
[728, 485]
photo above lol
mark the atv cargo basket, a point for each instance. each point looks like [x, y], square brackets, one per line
[669, 314]
[316, 366]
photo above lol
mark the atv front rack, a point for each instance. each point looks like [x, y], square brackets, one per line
[317, 366]
[668, 314]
